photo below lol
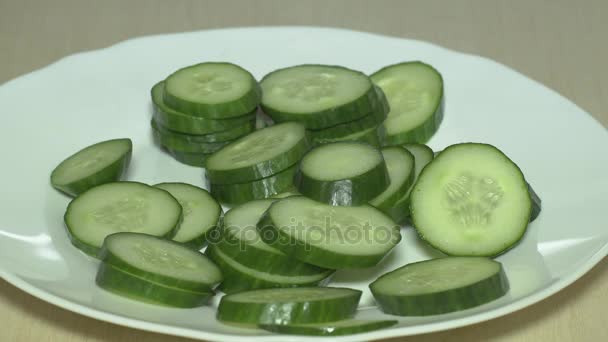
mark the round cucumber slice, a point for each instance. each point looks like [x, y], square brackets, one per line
[120, 207]
[179, 143]
[289, 306]
[439, 286]
[343, 173]
[227, 135]
[415, 95]
[318, 96]
[94, 165]
[260, 154]
[400, 165]
[345, 327]
[212, 90]
[201, 213]
[328, 236]
[472, 200]
[188, 124]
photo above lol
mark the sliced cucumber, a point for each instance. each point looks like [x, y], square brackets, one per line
[97, 164]
[472, 200]
[178, 143]
[212, 90]
[227, 135]
[344, 173]
[201, 213]
[260, 154]
[328, 236]
[241, 242]
[189, 158]
[400, 165]
[289, 306]
[238, 277]
[415, 95]
[346, 327]
[370, 136]
[188, 124]
[238, 193]
[120, 207]
[439, 286]
[318, 96]
[536, 203]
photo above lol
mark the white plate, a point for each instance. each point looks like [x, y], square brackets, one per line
[89, 97]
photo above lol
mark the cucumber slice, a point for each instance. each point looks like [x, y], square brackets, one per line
[229, 134]
[439, 286]
[346, 327]
[241, 242]
[260, 154]
[120, 207]
[238, 193]
[318, 96]
[415, 95]
[328, 236]
[238, 277]
[188, 124]
[177, 143]
[97, 164]
[201, 213]
[189, 158]
[536, 203]
[344, 173]
[472, 200]
[212, 90]
[369, 136]
[400, 165]
[289, 306]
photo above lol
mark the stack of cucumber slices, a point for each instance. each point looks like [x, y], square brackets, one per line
[326, 188]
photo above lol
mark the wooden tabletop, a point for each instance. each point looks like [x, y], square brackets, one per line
[559, 43]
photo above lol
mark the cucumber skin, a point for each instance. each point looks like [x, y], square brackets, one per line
[443, 302]
[189, 158]
[111, 173]
[235, 108]
[388, 203]
[313, 255]
[239, 193]
[328, 117]
[124, 284]
[176, 143]
[328, 329]
[95, 251]
[372, 137]
[329, 310]
[345, 192]
[420, 134]
[231, 133]
[188, 124]
[235, 281]
[536, 203]
[400, 211]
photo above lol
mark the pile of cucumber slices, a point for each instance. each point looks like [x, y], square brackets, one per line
[321, 166]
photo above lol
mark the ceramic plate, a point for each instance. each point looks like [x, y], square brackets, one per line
[94, 96]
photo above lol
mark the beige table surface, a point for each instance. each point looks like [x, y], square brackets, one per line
[562, 44]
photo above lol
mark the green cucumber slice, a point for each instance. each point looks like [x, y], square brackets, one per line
[227, 135]
[260, 154]
[201, 213]
[160, 261]
[238, 193]
[241, 242]
[369, 136]
[238, 277]
[328, 236]
[439, 286]
[212, 90]
[289, 306]
[346, 327]
[94, 165]
[471, 200]
[120, 207]
[400, 165]
[189, 158]
[318, 96]
[343, 173]
[178, 143]
[536, 203]
[415, 95]
[188, 124]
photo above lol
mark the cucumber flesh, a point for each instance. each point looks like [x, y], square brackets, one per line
[289, 306]
[328, 236]
[201, 213]
[400, 164]
[439, 286]
[472, 200]
[346, 327]
[415, 95]
[97, 164]
[120, 207]
[344, 173]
